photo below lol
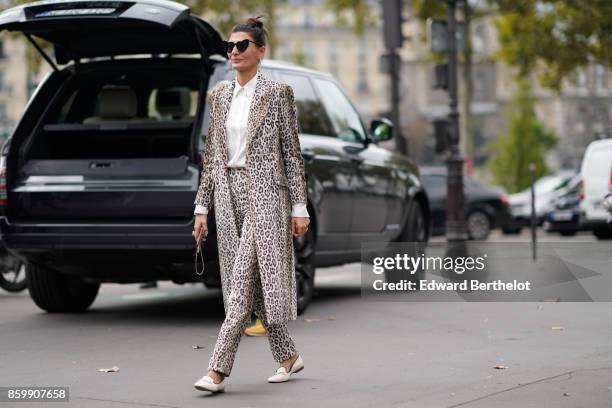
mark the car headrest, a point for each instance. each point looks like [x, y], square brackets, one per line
[117, 102]
[173, 101]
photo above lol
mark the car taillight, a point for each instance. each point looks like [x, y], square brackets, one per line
[504, 200]
[610, 180]
[581, 189]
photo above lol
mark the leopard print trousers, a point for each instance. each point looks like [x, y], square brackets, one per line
[245, 294]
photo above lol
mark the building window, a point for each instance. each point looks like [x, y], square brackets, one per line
[333, 57]
[283, 52]
[600, 77]
[362, 84]
[581, 79]
[479, 38]
[307, 21]
[309, 56]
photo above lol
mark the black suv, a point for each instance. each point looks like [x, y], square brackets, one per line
[101, 172]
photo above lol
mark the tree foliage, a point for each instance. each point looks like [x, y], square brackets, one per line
[553, 37]
[526, 141]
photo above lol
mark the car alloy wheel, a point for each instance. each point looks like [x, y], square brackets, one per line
[478, 225]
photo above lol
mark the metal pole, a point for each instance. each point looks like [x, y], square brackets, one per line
[395, 67]
[455, 215]
[533, 214]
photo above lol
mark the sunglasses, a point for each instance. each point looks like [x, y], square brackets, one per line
[241, 46]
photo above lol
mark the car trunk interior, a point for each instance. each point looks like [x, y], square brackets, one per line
[119, 114]
[113, 144]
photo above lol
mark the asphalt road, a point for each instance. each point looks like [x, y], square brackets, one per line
[356, 353]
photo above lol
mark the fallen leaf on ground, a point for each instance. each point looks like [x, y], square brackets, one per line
[311, 320]
[331, 317]
[500, 367]
[109, 370]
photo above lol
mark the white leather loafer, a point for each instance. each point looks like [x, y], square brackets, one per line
[281, 373]
[207, 384]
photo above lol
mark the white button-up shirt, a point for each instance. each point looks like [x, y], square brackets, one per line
[236, 129]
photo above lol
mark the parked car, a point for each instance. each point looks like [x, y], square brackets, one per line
[485, 207]
[596, 169]
[101, 171]
[547, 189]
[565, 216]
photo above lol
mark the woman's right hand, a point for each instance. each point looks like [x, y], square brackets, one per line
[200, 227]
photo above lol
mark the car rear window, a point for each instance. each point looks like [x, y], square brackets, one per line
[131, 97]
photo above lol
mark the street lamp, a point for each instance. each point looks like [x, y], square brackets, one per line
[455, 215]
[455, 221]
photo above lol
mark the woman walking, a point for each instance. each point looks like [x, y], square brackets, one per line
[253, 163]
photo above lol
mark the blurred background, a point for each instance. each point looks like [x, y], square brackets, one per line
[534, 78]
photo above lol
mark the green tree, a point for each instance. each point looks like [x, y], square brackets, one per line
[553, 38]
[526, 141]
[550, 39]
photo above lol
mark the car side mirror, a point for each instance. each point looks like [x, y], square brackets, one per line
[381, 129]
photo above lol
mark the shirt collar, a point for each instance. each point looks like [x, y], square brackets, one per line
[249, 87]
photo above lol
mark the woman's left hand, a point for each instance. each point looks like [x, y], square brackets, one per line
[299, 225]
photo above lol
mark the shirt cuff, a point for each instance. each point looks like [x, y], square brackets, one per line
[299, 210]
[200, 209]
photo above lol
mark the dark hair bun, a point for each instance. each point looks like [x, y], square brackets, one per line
[255, 21]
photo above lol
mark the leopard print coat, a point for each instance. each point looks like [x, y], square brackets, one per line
[276, 182]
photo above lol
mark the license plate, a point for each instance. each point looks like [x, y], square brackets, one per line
[562, 215]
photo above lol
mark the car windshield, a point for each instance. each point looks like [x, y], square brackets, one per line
[549, 184]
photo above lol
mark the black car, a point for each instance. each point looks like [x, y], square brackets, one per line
[485, 208]
[565, 216]
[100, 173]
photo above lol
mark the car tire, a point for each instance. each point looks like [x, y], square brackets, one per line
[602, 233]
[478, 225]
[414, 231]
[512, 231]
[304, 262]
[56, 292]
